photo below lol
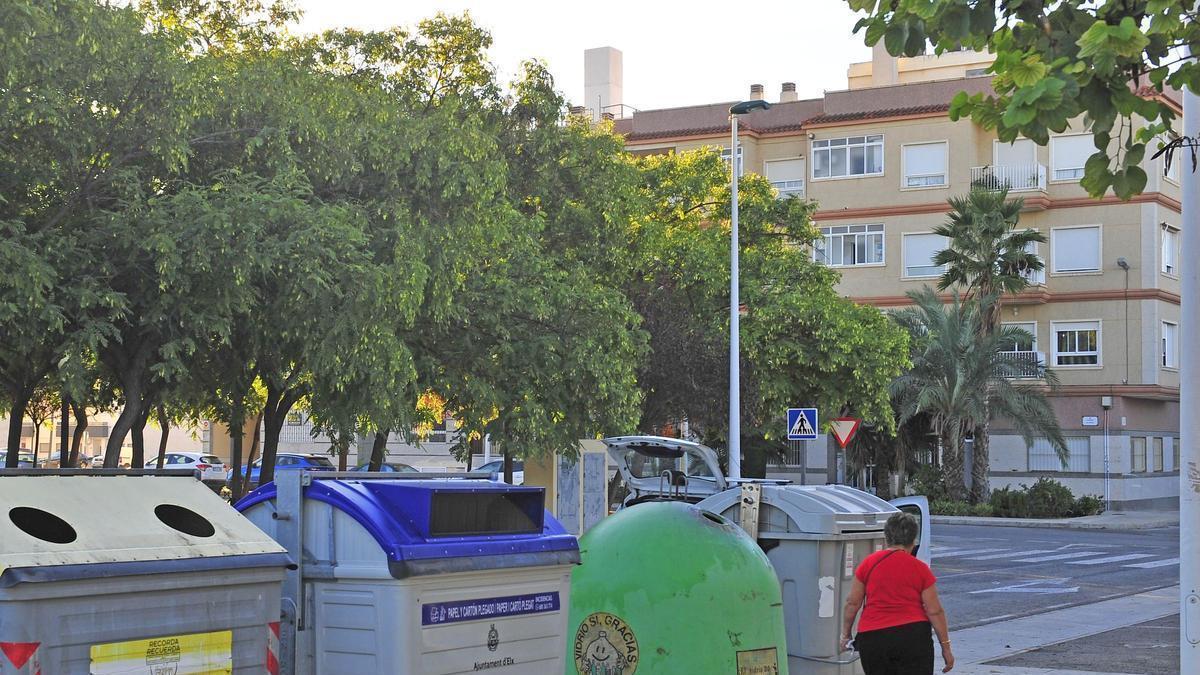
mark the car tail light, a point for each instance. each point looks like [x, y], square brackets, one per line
[202, 467]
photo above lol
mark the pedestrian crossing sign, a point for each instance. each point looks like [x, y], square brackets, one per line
[801, 424]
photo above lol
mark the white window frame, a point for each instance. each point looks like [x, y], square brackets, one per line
[1172, 172]
[786, 188]
[741, 159]
[1099, 269]
[1055, 326]
[1168, 353]
[813, 150]
[1133, 467]
[1171, 270]
[1054, 168]
[1024, 324]
[904, 257]
[1041, 456]
[945, 173]
[882, 232]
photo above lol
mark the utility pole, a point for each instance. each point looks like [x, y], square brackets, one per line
[1189, 399]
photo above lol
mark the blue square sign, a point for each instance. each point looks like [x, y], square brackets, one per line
[802, 424]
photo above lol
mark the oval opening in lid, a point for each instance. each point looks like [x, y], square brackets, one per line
[184, 520]
[42, 525]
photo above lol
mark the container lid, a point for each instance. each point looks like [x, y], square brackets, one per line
[439, 522]
[810, 509]
[60, 527]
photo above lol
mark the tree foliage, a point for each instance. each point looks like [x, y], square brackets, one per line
[1107, 62]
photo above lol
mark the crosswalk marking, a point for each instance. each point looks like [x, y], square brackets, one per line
[960, 553]
[1112, 559]
[1010, 554]
[1061, 556]
[1154, 563]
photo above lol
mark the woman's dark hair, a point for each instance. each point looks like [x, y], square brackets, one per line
[901, 530]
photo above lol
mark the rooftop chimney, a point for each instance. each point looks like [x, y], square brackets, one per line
[788, 93]
[756, 92]
[884, 66]
[602, 76]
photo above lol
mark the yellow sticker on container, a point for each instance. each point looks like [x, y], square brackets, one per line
[758, 662]
[195, 654]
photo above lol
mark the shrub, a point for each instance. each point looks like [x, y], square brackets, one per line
[927, 480]
[983, 510]
[1010, 503]
[1049, 498]
[949, 507]
[1088, 505]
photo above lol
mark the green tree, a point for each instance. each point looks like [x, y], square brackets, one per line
[1105, 62]
[963, 376]
[988, 257]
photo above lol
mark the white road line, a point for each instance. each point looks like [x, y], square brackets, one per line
[1154, 563]
[1061, 556]
[1010, 554]
[959, 554]
[1112, 559]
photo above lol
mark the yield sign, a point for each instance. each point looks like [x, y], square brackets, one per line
[19, 653]
[844, 428]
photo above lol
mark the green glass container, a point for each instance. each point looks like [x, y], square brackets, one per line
[667, 588]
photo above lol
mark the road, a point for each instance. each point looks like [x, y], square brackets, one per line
[989, 574]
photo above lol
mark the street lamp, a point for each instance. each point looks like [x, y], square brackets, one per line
[735, 402]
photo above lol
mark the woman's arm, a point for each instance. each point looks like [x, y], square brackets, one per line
[850, 611]
[937, 617]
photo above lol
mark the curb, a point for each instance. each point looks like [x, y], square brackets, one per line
[1082, 523]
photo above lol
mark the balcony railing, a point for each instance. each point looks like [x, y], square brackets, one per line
[1013, 177]
[1028, 363]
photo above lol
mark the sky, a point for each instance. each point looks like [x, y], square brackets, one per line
[675, 53]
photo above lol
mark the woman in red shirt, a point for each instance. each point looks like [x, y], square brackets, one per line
[902, 607]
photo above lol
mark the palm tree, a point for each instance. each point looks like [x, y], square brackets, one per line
[989, 258]
[960, 376]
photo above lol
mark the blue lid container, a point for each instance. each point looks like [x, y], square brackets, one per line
[443, 526]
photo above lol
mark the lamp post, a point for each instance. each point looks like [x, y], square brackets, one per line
[735, 379]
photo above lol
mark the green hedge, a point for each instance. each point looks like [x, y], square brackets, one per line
[1047, 498]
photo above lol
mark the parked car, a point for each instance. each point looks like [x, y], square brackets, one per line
[213, 471]
[656, 468]
[292, 460]
[386, 467]
[24, 458]
[497, 467]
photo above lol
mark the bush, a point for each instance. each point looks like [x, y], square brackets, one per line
[1088, 505]
[947, 507]
[1049, 498]
[1010, 503]
[927, 480]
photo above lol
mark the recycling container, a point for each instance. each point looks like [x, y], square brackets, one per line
[666, 587]
[815, 536]
[107, 574]
[429, 577]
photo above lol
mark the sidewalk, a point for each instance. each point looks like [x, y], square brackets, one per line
[976, 669]
[1129, 520]
[973, 647]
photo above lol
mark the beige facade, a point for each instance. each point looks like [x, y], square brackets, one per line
[881, 161]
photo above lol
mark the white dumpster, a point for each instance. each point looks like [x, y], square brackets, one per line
[419, 576]
[111, 574]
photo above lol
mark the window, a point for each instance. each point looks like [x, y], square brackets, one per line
[853, 156]
[1034, 276]
[919, 250]
[1077, 343]
[1137, 451]
[925, 165]
[1068, 154]
[741, 155]
[1170, 250]
[1021, 343]
[1042, 456]
[848, 245]
[786, 176]
[1156, 454]
[1170, 345]
[1076, 249]
[1174, 452]
[1177, 158]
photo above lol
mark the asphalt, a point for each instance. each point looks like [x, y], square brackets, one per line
[1117, 520]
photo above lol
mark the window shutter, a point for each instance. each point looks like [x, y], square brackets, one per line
[927, 158]
[1071, 152]
[1076, 249]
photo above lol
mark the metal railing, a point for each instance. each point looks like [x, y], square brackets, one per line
[787, 188]
[1013, 177]
[1029, 364]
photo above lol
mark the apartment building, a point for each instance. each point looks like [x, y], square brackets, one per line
[881, 158]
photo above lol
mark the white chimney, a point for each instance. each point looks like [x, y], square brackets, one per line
[884, 66]
[602, 75]
[788, 93]
[756, 93]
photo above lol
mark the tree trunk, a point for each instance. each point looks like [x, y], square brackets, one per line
[379, 449]
[139, 436]
[980, 490]
[343, 453]
[81, 425]
[236, 439]
[125, 422]
[16, 419]
[508, 467]
[250, 457]
[883, 485]
[164, 425]
[37, 439]
[952, 464]
[274, 415]
[64, 442]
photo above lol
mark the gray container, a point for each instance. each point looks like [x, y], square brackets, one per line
[815, 536]
[125, 574]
